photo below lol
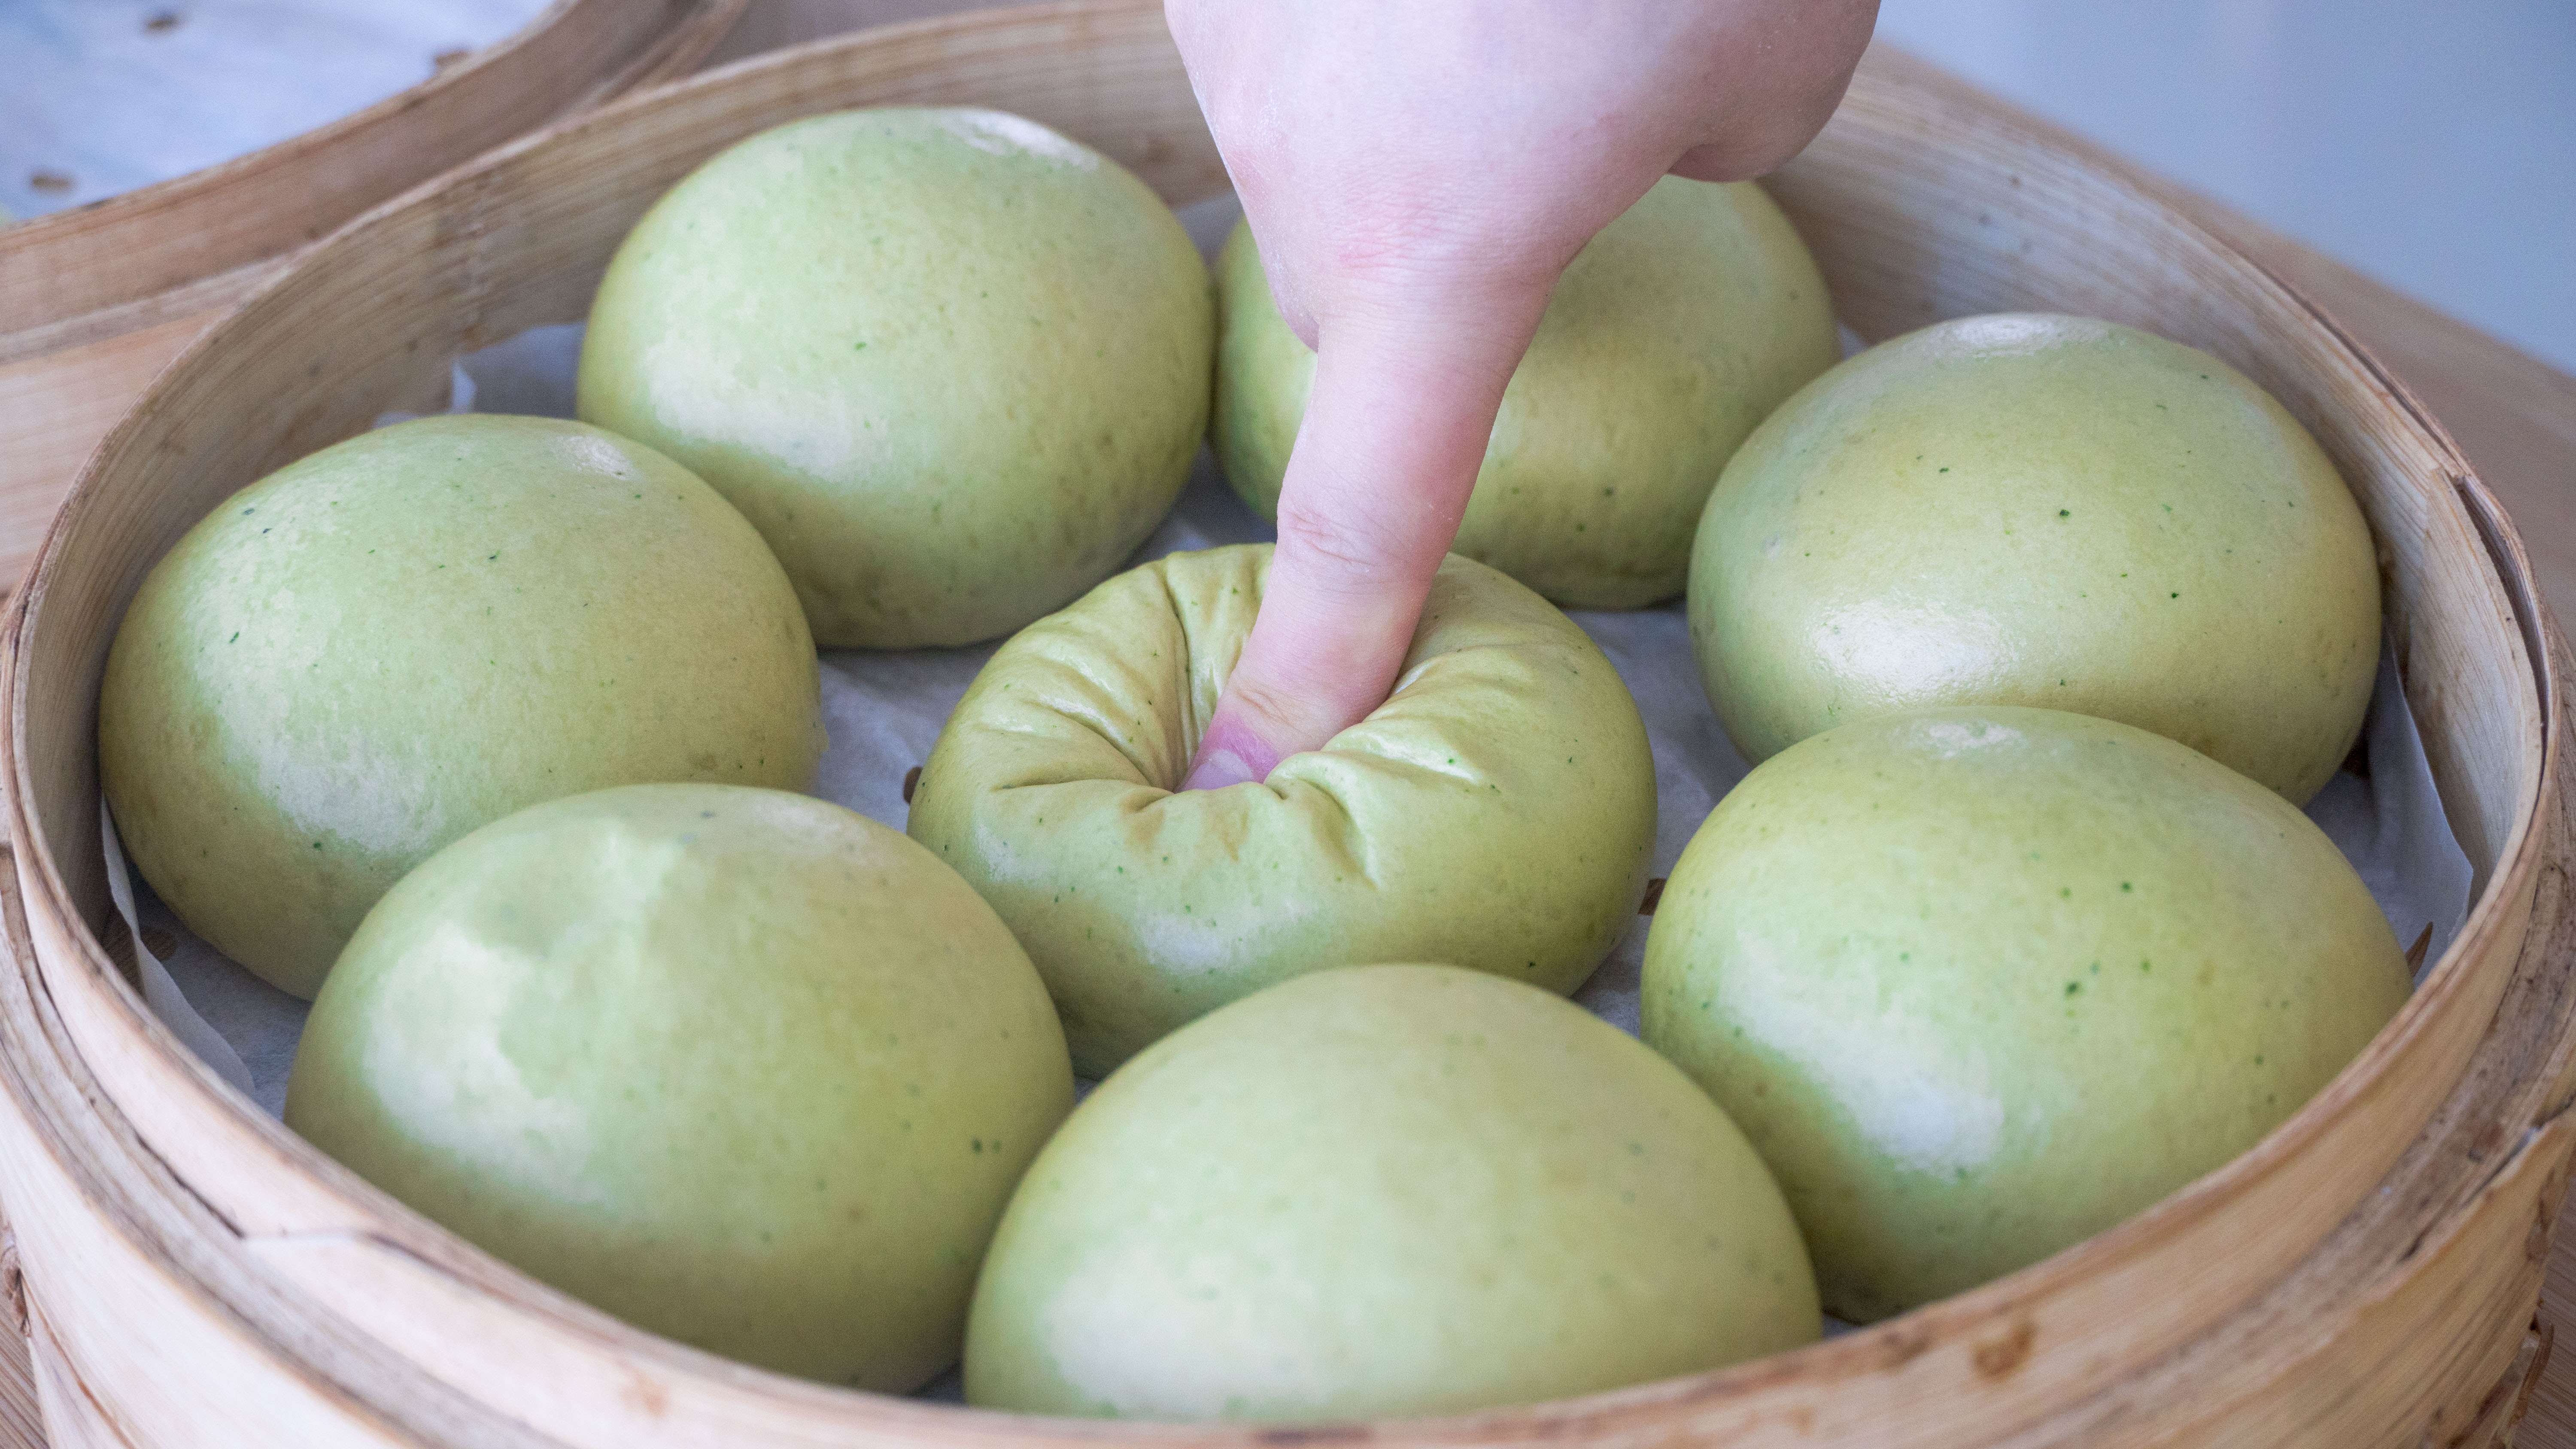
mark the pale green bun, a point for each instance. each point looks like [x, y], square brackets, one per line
[1981, 982]
[1379, 1192]
[952, 365]
[370, 652]
[1497, 812]
[1680, 327]
[2040, 510]
[740, 1067]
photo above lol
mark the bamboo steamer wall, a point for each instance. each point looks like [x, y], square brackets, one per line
[768, 25]
[2364, 1276]
[96, 300]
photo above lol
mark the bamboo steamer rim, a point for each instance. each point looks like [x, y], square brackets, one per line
[96, 300]
[38, 315]
[1987, 1322]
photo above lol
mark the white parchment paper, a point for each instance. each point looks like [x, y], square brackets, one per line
[884, 710]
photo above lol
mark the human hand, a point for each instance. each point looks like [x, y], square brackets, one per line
[1418, 175]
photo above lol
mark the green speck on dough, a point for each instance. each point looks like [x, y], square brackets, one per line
[2125, 886]
[2072, 987]
[2065, 513]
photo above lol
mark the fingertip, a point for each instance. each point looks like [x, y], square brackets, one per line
[1217, 769]
[1714, 163]
[1231, 753]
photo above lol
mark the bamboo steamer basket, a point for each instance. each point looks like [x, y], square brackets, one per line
[2366, 1275]
[776, 24]
[96, 300]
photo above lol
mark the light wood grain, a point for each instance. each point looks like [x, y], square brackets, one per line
[95, 301]
[2512, 414]
[21, 1424]
[2514, 418]
[2292, 1289]
[2401, 1321]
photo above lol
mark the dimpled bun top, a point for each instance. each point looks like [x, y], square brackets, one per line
[739, 1066]
[1384, 1191]
[952, 365]
[2041, 510]
[1675, 331]
[1496, 812]
[369, 653]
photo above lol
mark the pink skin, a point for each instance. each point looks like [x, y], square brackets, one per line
[1418, 174]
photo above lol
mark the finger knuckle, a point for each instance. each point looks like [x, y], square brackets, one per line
[1349, 555]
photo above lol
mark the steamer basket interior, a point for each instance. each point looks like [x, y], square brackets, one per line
[1919, 206]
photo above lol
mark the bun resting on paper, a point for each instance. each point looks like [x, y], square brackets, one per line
[1383, 1191]
[952, 365]
[1674, 332]
[2039, 510]
[739, 1066]
[1982, 982]
[1496, 812]
[413, 633]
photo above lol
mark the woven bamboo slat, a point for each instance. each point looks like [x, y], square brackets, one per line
[96, 300]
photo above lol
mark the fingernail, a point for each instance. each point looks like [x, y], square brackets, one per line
[1217, 769]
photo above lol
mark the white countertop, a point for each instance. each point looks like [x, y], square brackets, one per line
[99, 97]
